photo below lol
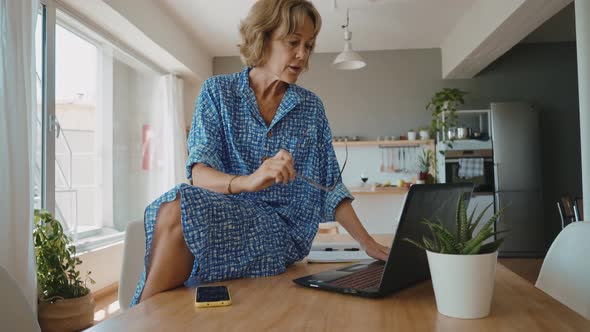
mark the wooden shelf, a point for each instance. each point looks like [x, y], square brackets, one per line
[428, 144]
[368, 190]
[400, 143]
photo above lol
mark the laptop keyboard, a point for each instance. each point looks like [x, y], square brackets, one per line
[368, 278]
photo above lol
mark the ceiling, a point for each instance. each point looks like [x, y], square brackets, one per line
[183, 36]
[376, 24]
[559, 28]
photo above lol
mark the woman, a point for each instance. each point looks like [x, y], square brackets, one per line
[254, 136]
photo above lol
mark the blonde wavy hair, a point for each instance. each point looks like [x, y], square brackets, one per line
[267, 16]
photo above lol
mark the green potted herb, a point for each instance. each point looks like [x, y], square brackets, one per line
[462, 264]
[424, 163]
[424, 133]
[411, 135]
[65, 303]
[444, 113]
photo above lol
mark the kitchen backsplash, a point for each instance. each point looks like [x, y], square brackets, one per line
[371, 158]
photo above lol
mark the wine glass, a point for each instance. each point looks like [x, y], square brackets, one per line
[364, 176]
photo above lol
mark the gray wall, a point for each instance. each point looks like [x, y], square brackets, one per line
[389, 95]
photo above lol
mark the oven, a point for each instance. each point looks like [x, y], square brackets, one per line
[484, 183]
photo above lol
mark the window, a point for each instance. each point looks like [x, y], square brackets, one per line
[39, 172]
[76, 155]
[95, 112]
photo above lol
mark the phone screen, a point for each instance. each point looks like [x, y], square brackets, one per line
[212, 294]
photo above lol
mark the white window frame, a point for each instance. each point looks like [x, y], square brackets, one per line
[105, 44]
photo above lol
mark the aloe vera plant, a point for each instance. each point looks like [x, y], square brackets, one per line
[463, 241]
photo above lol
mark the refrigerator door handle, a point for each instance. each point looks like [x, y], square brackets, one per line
[496, 180]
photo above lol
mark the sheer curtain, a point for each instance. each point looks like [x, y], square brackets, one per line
[17, 106]
[168, 140]
[149, 139]
[174, 132]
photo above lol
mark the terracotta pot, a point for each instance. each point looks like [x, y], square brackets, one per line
[67, 315]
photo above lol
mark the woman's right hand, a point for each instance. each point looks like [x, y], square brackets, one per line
[278, 169]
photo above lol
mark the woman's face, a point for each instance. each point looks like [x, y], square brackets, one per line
[288, 56]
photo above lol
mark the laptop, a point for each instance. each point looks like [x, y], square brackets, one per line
[406, 265]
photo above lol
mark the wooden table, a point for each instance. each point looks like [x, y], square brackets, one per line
[278, 304]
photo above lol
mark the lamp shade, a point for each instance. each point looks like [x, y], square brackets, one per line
[348, 59]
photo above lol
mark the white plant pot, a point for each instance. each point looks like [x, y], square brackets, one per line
[463, 284]
[424, 135]
[411, 135]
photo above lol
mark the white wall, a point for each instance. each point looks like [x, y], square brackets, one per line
[105, 265]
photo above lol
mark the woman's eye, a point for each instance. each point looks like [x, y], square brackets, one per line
[293, 42]
[309, 46]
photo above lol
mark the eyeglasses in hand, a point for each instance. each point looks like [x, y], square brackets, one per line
[320, 186]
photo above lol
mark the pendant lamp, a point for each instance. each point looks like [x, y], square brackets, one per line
[348, 59]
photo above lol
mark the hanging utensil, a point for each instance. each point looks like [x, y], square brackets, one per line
[382, 160]
[393, 169]
[400, 159]
[388, 166]
[396, 151]
[392, 166]
[405, 160]
[413, 157]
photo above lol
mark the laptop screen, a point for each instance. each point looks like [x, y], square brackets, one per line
[408, 264]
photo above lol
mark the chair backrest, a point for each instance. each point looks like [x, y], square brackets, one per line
[561, 214]
[579, 209]
[565, 272]
[133, 257]
[565, 206]
[15, 315]
[568, 206]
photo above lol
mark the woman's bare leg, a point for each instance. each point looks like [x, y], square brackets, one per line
[171, 261]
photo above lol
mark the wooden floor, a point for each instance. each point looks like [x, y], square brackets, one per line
[107, 304]
[527, 268]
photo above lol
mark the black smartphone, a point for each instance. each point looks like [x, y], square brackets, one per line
[212, 296]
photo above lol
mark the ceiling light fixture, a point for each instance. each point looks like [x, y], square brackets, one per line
[348, 59]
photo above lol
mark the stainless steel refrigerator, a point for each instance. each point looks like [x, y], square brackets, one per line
[517, 172]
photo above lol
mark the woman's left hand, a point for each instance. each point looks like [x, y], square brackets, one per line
[376, 250]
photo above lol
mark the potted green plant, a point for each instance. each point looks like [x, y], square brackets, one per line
[424, 133]
[411, 135]
[462, 264]
[424, 163]
[444, 113]
[65, 303]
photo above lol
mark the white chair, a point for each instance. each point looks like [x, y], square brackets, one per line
[133, 255]
[15, 313]
[565, 274]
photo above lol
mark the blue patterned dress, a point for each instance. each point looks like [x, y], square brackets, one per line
[261, 233]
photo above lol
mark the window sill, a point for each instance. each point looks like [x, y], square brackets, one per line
[98, 238]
